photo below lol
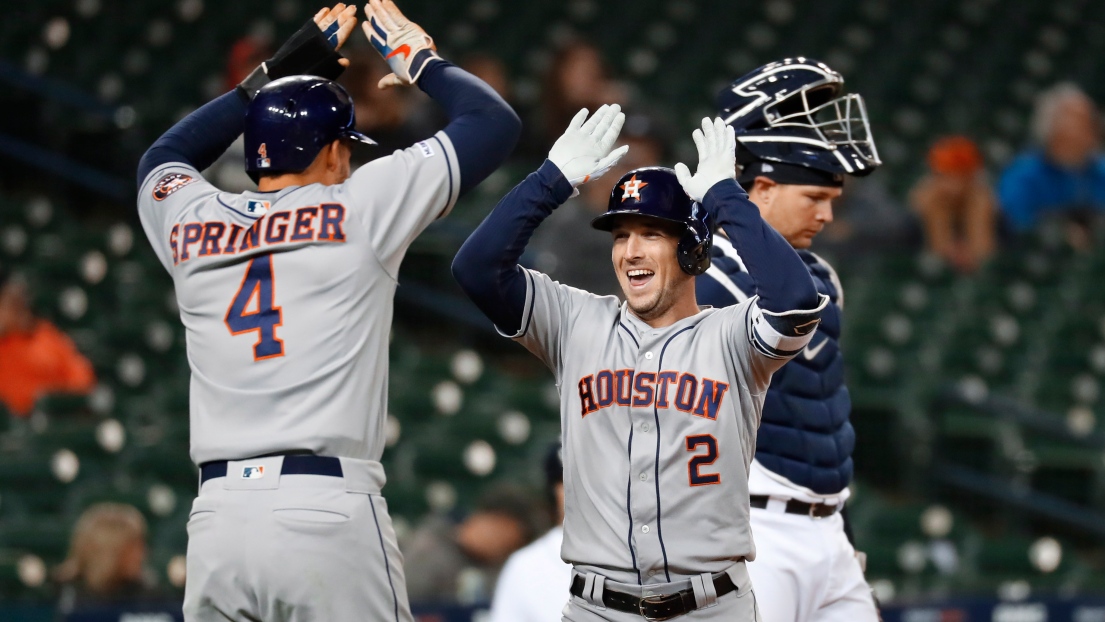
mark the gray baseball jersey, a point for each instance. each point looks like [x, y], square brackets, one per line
[659, 427]
[286, 298]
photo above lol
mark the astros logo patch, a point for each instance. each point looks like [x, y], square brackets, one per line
[632, 188]
[253, 472]
[170, 184]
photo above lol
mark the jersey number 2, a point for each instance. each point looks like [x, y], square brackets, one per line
[253, 309]
[698, 478]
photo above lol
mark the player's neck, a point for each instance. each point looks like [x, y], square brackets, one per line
[684, 308]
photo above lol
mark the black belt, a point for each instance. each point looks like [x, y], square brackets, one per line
[294, 464]
[663, 607]
[794, 506]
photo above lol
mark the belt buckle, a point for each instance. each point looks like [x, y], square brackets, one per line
[662, 599]
[813, 507]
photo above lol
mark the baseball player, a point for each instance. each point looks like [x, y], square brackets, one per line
[286, 297]
[531, 585]
[797, 136]
[660, 399]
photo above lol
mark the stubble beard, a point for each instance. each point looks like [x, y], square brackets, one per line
[655, 307]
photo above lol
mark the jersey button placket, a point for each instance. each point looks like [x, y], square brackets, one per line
[650, 558]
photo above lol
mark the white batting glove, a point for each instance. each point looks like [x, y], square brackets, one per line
[406, 48]
[717, 159]
[583, 153]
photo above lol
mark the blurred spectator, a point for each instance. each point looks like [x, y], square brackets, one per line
[107, 560]
[246, 55]
[867, 218]
[533, 586]
[447, 562]
[491, 70]
[1065, 173]
[35, 357]
[565, 246]
[955, 204]
[577, 78]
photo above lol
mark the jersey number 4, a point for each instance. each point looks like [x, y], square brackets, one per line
[694, 473]
[254, 309]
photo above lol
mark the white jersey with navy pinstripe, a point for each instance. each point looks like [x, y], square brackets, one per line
[286, 298]
[659, 427]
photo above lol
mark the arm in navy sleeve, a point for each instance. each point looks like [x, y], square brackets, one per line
[198, 139]
[487, 265]
[482, 127]
[782, 280]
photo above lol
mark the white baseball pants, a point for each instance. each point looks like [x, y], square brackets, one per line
[806, 570]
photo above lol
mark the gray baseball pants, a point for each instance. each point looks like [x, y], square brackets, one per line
[293, 548]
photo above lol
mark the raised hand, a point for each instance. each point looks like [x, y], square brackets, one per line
[583, 152]
[717, 159]
[403, 44]
[337, 23]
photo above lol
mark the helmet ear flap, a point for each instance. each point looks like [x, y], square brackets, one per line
[694, 248]
[695, 260]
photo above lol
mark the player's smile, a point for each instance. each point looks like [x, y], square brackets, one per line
[639, 278]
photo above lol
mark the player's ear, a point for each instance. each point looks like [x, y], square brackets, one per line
[334, 156]
[764, 189]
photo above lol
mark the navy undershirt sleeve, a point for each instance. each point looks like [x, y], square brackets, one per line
[782, 280]
[487, 265]
[198, 139]
[482, 127]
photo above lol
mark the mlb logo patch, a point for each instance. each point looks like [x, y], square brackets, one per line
[258, 208]
[427, 150]
[253, 472]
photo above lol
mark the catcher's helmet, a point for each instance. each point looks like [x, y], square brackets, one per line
[794, 111]
[291, 119]
[654, 191]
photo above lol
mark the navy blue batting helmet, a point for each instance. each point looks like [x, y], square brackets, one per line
[654, 191]
[795, 111]
[291, 119]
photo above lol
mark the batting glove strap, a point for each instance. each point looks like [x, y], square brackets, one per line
[407, 50]
[310, 51]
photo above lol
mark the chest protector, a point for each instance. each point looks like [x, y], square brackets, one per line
[805, 434]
